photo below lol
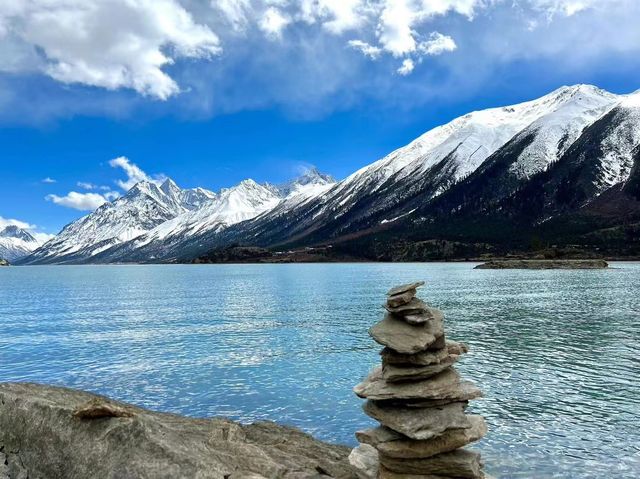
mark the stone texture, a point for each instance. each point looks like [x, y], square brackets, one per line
[393, 373]
[404, 287]
[419, 424]
[446, 385]
[364, 460]
[459, 464]
[41, 438]
[400, 299]
[449, 440]
[415, 306]
[423, 358]
[98, 408]
[405, 338]
[376, 435]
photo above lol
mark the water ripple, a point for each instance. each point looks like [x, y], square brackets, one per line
[556, 352]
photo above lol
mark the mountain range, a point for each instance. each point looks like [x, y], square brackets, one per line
[560, 171]
[16, 242]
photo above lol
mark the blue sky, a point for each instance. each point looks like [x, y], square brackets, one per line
[212, 92]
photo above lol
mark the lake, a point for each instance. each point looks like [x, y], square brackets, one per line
[556, 352]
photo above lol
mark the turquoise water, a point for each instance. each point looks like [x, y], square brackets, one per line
[556, 352]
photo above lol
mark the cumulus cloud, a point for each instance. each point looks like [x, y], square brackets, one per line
[134, 173]
[437, 44]
[78, 201]
[86, 185]
[273, 22]
[366, 49]
[407, 67]
[310, 65]
[107, 43]
[48, 180]
[4, 222]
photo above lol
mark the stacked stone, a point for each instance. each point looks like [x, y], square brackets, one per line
[418, 397]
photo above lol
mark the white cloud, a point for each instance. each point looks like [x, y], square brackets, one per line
[367, 49]
[407, 67]
[108, 43]
[4, 222]
[437, 44]
[133, 172]
[86, 186]
[78, 201]
[48, 180]
[273, 22]
[237, 12]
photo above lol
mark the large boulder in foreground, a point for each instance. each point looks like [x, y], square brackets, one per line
[53, 432]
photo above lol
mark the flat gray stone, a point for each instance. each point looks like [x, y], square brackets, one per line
[423, 358]
[446, 385]
[403, 372]
[419, 424]
[414, 307]
[459, 464]
[376, 435]
[449, 440]
[393, 374]
[400, 299]
[364, 460]
[404, 287]
[406, 338]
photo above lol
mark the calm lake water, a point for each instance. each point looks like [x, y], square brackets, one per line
[556, 352]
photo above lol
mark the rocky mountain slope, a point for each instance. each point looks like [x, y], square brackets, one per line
[16, 243]
[547, 169]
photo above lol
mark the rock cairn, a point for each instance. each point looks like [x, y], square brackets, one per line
[418, 398]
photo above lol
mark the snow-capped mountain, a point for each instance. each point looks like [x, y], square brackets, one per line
[516, 165]
[16, 243]
[141, 209]
[233, 205]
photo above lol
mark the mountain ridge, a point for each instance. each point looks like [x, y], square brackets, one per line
[518, 166]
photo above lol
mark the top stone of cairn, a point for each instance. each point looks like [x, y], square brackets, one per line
[405, 288]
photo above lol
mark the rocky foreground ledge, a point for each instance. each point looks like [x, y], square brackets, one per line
[544, 264]
[51, 432]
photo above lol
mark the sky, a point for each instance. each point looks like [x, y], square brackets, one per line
[96, 95]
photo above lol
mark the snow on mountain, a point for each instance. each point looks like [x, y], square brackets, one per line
[232, 205]
[620, 143]
[585, 130]
[16, 243]
[141, 209]
[553, 133]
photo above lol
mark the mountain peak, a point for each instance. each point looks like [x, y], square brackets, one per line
[169, 187]
[13, 231]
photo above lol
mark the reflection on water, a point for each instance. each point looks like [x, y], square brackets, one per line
[556, 352]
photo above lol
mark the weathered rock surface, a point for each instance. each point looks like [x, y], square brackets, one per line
[377, 435]
[406, 338]
[445, 385]
[449, 440]
[415, 306]
[41, 438]
[364, 460]
[400, 299]
[393, 373]
[423, 358]
[404, 288]
[420, 424]
[385, 473]
[459, 464]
